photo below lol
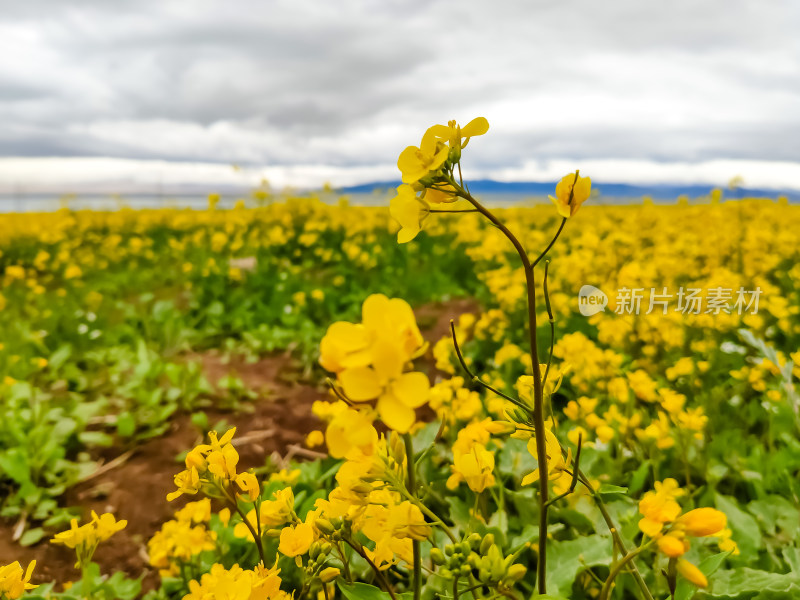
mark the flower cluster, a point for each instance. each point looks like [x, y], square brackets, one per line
[85, 538]
[371, 499]
[662, 520]
[370, 360]
[238, 584]
[182, 538]
[214, 465]
[14, 581]
[427, 174]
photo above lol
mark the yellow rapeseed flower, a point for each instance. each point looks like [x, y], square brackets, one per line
[13, 582]
[571, 192]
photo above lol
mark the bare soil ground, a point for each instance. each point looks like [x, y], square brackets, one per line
[136, 489]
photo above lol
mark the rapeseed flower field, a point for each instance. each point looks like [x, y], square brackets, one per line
[617, 415]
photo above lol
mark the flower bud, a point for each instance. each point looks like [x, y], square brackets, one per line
[488, 540]
[692, 573]
[501, 427]
[515, 573]
[324, 526]
[437, 556]
[701, 522]
[313, 551]
[329, 574]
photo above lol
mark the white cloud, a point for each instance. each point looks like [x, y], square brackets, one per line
[346, 85]
[63, 175]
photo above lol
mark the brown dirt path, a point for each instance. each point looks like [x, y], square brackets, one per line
[136, 489]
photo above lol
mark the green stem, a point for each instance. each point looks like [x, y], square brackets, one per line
[473, 377]
[616, 569]
[256, 538]
[553, 241]
[86, 587]
[412, 487]
[615, 535]
[378, 573]
[538, 395]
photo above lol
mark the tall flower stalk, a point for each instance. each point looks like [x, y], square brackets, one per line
[432, 175]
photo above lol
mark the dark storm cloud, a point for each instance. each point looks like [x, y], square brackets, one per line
[349, 83]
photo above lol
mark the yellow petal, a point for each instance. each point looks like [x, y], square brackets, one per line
[360, 384]
[410, 165]
[561, 207]
[650, 527]
[373, 312]
[348, 336]
[582, 189]
[441, 132]
[387, 360]
[406, 234]
[395, 414]
[671, 546]
[531, 477]
[412, 389]
[477, 126]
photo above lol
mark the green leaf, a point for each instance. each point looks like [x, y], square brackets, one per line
[122, 587]
[776, 512]
[639, 477]
[95, 438]
[743, 582]
[792, 557]
[31, 536]
[126, 424]
[363, 591]
[200, 420]
[59, 357]
[459, 511]
[565, 560]
[14, 464]
[745, 529]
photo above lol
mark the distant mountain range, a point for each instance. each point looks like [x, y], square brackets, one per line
[609, 190]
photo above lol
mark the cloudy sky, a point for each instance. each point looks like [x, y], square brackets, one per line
[306, 91]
